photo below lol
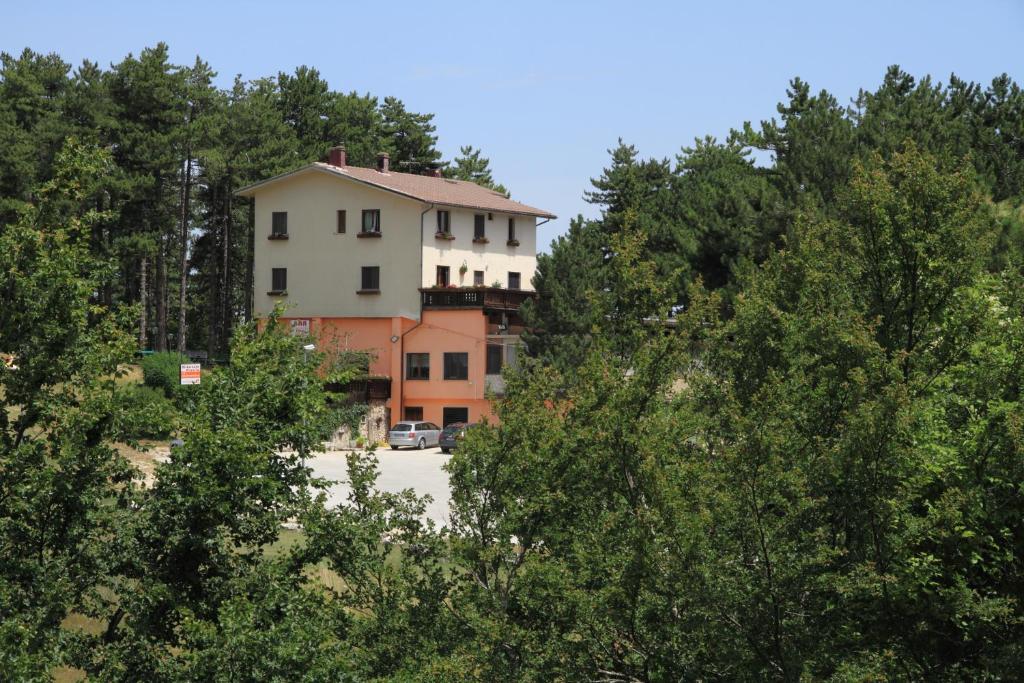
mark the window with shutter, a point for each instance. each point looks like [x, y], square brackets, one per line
[371, 279]
[417, 366]
[278, 279]
[279, 224]
[456, 366]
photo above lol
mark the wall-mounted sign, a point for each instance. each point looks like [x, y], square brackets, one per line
[190, 373]
[300, 326]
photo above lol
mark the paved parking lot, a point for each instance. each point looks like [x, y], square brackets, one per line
[417, 470]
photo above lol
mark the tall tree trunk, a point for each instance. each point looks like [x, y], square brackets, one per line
[249, 255]
[213, 302]
[161, 294]
[226, 313]
[186, 192]
[142, 299]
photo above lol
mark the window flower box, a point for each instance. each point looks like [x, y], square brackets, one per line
[366, 233]
[277, 236]
[481, 240]
[513, 243]
[444, 236]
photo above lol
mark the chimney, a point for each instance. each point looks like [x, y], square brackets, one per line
[383, 161]
[337, 156]
[432, 172]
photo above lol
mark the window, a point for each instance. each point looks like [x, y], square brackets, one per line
[494, 354]
[479, 229]
[513, 280]
[279, 279]
[417, 366]
[443, 276]
[371, 220]
[279, 224]
[456, 366]
[444, 225]
[413, 413]
[341, 222]
[453, 415]
[478, 278]
[511, 229]
[371, 279]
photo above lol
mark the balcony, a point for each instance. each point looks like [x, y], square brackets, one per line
[490, 298]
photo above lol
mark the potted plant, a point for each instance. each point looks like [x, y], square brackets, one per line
[463, 269]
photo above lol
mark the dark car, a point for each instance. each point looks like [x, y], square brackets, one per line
[452, 435]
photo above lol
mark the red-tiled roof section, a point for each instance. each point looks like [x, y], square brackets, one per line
[441, 191]
[438, 190]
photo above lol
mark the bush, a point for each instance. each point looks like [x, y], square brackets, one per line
[162, 371]
[142, 412]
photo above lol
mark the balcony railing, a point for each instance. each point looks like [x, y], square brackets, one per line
[474, 297]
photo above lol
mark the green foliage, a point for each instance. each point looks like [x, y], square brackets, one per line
[471, 166]
[142, 412]
[162, 371]
[61, 484]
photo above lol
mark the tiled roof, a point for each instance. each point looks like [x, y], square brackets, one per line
[428, 189]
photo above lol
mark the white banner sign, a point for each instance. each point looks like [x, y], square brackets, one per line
[190, 373]
[300, 326]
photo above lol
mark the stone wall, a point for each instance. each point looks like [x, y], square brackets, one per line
[373, 428]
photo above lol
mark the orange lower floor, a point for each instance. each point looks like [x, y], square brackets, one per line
[439, 397]
[446, 411]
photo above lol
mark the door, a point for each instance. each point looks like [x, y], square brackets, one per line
[451, 415]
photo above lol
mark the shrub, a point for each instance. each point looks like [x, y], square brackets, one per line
[143, 412]
[161, 371]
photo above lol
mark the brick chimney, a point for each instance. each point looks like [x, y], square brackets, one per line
[337, 156]
[383, 162]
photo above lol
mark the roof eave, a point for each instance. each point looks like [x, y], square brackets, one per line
[250, 191]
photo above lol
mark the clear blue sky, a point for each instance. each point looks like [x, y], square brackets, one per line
[545, 88]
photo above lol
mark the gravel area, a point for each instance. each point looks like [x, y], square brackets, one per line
[402, 469]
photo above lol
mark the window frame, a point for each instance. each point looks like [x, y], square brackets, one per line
[479, 226]
[376, 222]
[518, 277]
[422, 370]
[444, 227]
[512, 229]
[274, 272]
[478, 278]
[447, 276]
[409, 409]
[276, 231]
[341, 226]
[491, 348]
[363, 272]
[449, 366]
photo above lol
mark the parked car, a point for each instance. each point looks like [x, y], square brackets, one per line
[452, 435]
[417, 434]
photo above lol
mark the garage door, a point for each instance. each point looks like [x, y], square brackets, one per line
[455, 415]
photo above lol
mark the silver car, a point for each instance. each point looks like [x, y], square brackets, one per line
[418, 434]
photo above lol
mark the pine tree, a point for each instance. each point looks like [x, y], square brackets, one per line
[471, 166]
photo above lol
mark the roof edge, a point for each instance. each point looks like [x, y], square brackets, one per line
[250, 190]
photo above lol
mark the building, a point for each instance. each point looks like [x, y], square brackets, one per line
[425, 272]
